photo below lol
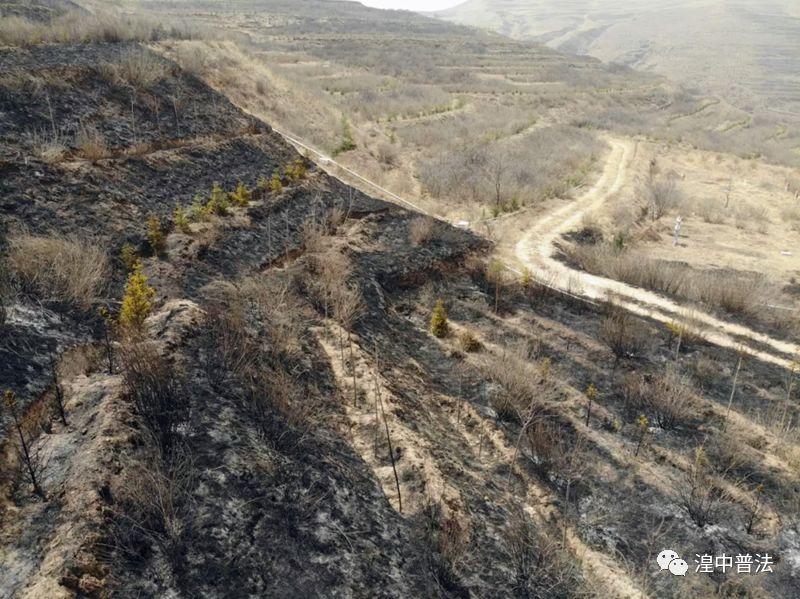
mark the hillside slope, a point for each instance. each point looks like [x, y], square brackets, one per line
[739, 49]
[331, 395]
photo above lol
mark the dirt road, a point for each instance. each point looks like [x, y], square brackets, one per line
[535, 250]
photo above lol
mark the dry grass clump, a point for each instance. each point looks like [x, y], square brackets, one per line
[91, 143]
[421, 230]
[667, 398]
[522, 386]
[64, 269]
[136, 67]
[446, 537]
[83, 28]
[153, 501]
[468, 342]
[740, 294]
[49, 147]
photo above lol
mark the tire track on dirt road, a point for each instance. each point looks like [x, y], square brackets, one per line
[536, 251]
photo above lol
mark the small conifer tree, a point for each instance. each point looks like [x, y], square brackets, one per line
[128, 256]
[439, 326]
[155, 235]
[275, 183]
[242, 195]
[181, 220]
[218, 202]
[137, 301]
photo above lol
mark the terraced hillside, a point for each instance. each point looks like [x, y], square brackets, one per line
[740, 50]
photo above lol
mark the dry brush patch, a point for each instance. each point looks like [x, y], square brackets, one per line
[76, 27]
[62, 269]
[740, 294]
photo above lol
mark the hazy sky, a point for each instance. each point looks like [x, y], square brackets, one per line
[425, 5]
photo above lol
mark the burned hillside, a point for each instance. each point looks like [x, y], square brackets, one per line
[228, 374]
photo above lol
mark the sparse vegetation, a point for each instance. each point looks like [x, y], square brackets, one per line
[31, 458]
[78, 27]
[347, 143]
[699, 496]
[421, 230]
[91, 143]
[468, 342]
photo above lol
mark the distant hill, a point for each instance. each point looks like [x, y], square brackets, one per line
[743, 49]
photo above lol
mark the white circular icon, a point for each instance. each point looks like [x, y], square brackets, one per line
[678, 567]
[665, 557]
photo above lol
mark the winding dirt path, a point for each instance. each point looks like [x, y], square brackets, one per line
[536, 250]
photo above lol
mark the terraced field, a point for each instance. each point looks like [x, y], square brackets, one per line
[741, 50]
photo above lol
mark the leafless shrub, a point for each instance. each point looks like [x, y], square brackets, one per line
[91, 143]
[705, 370]
[710, 210]
[791, 216]
[153, 505]
[386, 154]
[29, 454]
[624, 335]
[58, 268]
[698, 495]
[447, 538]
[421, 230]
[541, 566]
[662, 195]
[156, 391]
[546, 445]
[668, 398]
